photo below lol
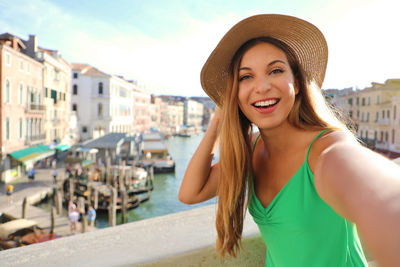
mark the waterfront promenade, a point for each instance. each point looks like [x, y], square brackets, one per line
[34, 191]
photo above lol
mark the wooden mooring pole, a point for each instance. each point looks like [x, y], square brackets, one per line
[52, 219]
[58, 201]
[96, 198]
[112, 209]
[124, 203]
[24, 207]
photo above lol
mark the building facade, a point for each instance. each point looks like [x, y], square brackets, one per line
[103, 103]
[141, 111]
[22, 102]
[193, 113]
[374, 111]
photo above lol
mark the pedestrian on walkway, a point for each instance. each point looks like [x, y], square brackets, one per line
[91, 215]
[55, 172]
[9, 192]
[73, 216]
[31, 173]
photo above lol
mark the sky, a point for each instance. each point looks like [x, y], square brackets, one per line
[163, 44]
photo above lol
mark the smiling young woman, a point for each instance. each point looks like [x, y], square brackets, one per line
[305, 179]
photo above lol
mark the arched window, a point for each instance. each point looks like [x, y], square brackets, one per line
[75, 89]
[7, 92]
[20, 93]
[100, 109]
[393, 135]
[100, 88]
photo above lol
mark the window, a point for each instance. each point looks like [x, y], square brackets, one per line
[7, 129]
[377, 99]
[361, 133]
[8, 59]
[377, 116]
[358, 101]
[386, 136]
[45, 92]
[350, 113]
[358, 114]
[369, 101]
[100, 110]
[394, 112]
[375, 135]
[21, 65]
[20, 93]
[75, 75]
[75, 89]
[367, 117]
[363, 102]
[388, 114]
[7, 92]
[74, 107]
[20, 128]
[393, 135]
[383, 114]
[100, 88]
[350, 101]
[84, 129]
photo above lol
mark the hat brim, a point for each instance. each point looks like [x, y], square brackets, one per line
[305, 39]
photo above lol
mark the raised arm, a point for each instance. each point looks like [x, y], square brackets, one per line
[363, 187]
[201, 178]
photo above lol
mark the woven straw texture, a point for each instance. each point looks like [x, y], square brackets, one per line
[306, 40]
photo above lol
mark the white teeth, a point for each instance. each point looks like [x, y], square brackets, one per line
[266, 103]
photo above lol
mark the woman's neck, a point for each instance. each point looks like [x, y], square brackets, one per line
[283, 139]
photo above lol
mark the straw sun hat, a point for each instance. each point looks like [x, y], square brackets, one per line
[306, 41]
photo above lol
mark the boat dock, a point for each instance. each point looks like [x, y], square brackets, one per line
[35, 191]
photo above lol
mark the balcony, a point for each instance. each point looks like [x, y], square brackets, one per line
[385, 122]
[35, 139]
[35, 108]
[55, 121]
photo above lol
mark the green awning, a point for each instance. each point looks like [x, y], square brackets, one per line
[63, 147]
[33, 153]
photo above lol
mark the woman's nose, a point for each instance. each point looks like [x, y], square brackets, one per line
[262, 85]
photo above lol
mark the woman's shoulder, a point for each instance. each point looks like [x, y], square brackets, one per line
[327, 140]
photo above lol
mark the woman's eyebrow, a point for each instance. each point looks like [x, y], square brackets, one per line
[269, 64]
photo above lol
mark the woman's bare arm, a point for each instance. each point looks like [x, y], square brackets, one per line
[200, 181]
[363, 187]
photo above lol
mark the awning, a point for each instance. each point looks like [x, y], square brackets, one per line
[32, 154]
[62, 147]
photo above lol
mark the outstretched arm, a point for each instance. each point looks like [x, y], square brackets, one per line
[201, 178]
[363, 187]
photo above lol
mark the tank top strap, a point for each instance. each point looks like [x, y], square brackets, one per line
[318, 135]
[255, 141]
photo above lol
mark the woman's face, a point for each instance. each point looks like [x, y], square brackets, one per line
[266, 86]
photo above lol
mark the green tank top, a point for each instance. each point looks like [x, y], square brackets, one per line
[300, 229]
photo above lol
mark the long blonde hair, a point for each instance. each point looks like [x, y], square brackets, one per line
[309, 111]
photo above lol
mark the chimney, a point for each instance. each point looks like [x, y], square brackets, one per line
[31, 46]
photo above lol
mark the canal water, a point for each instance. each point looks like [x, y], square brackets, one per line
[164, 197]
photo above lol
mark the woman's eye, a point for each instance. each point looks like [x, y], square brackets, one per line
[276, 71]
[244, 77]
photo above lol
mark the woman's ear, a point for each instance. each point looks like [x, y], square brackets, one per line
[296, 86]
